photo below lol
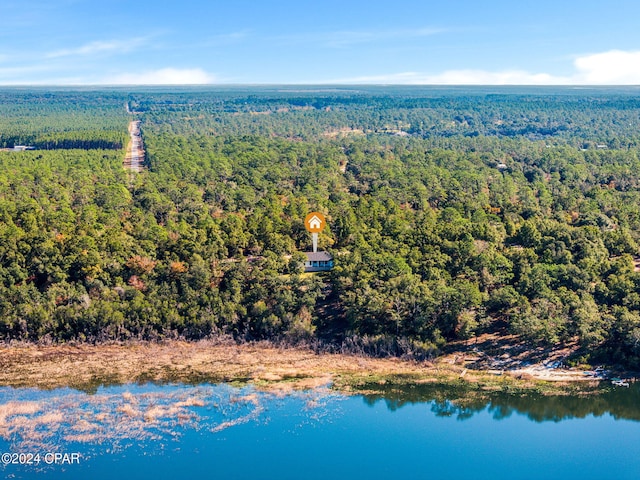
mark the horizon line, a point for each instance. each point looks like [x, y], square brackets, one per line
[273, 84]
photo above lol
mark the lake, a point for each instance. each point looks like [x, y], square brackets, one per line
[223, 431]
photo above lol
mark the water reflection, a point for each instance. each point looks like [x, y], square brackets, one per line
[115, 418]
[231, 432]
[464, 401]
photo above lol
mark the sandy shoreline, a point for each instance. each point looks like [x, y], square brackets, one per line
[87, 366]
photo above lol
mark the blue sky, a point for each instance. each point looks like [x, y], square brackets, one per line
[328, 41]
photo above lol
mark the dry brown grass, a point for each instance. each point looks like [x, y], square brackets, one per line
[279, 369]
[84, 366]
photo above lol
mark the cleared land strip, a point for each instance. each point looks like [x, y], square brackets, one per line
[135, 151]
[86, 366]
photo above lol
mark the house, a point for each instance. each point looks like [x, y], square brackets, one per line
[318, 262]
[314, 223]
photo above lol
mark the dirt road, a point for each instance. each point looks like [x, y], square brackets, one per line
[135, 152]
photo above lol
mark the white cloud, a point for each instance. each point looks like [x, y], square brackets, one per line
[225, 39]
[230, 37]
[341, 39]
[344, 38]
[460, 77]
[505, 77]
[615, 67]
[163, 76]
[94, 48]
[13, 74]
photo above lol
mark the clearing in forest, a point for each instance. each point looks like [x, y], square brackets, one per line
[135, 151]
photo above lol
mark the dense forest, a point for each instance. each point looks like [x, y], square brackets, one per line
[451, 212]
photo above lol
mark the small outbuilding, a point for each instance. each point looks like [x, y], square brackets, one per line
[318, 262]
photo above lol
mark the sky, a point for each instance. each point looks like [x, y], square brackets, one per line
[491, 42]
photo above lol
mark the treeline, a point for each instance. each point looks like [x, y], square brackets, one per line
[63, 119]
[435, 239]
[583, 119]
[84, 140]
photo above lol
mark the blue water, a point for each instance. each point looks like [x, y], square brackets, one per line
[218, 431]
